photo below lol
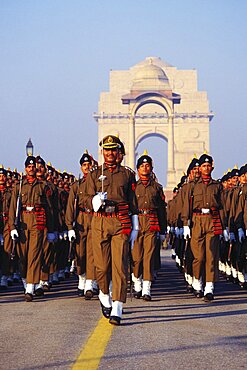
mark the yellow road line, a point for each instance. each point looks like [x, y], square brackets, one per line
[94, 349]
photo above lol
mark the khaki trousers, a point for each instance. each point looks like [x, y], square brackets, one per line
[30, 248]
[205, 249]
[110, 252]
[143, 251]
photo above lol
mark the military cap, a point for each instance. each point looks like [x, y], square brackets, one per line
[243, 170]
[175, 190]
[50, 169]
[122, 148]
[30, 160]
[3, 171]
[224, 178]
[183, 179]
[15, 174]
[193, 163]
[65, 175]
[8, 172]
[144, 159]
[85, 158]
[205, 158]
[40, 160]
[110, 142]
[234, 172]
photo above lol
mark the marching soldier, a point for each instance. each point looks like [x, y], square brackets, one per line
[152, 220]
[206, 228]
[34, 217]
[5, 238]
[78, 220]
[110, 191]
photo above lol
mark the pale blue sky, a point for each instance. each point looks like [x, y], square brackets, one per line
[56, 56]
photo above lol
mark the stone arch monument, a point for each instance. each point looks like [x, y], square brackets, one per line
[154, 98]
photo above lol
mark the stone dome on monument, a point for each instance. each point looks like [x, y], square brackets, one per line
[149, 76]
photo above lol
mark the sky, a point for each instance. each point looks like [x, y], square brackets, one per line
[56, 56]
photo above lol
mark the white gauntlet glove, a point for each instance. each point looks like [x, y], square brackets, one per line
[134, 231]
[71, 235]
[241, 235]
[14, 234]
[98, 200]
[226, 235]
[187, 232]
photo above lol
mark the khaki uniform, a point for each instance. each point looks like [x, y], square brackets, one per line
[33, 222]
[152, 219]
[84, 251]
[205, 237]
[111, 229]
[5, 197]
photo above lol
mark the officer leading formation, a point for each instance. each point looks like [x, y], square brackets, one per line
[108, 227]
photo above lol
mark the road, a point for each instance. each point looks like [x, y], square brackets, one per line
[174, 330]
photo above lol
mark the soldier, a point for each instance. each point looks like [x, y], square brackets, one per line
[48, 248]
[78, 220]
[35, 216]
[110, 191]
[206, 228]
[152, 220]
[5, 239]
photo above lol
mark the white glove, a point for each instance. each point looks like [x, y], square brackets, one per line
[14, 234]
[181, 232]
[60, 236]
[98, 200]
[65, 234]
[168, 229]
[177, 232]
[187, 232]
[241, 235]
[51, 237]
[134, 231]
[71, 235]
[226, 235]
[1, 239]
[232, 237]
[162, 237]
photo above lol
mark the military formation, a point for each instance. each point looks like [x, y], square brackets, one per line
[109, 225]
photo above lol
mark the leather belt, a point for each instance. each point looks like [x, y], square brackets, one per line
[202, 211]
[145, 211]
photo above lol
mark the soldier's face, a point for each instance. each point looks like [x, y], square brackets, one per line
[31, 170]
[234, 180]
[3, 179]
[40, 169]
[144, 169]
[120, 157]
[206, 169]
[243, 178]
[85, 167]
[110, 155]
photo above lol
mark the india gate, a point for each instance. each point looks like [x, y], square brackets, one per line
[154, 98]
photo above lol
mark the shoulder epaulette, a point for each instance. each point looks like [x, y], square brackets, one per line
[130, 169]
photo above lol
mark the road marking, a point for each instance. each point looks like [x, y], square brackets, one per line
[94, 349]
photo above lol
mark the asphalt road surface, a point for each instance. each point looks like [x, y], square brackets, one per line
[174, 330]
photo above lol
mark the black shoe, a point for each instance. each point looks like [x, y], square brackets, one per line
[28, 297]
[173, 256]
[198, 293]
[88, 295]
[95, 291]
[115, 320]
[47, 287]
[189, 288]
[137, 295]
[209, 297]
[39, 292]
[228, 277]
[106, 311]
[80, 292]
[146, 297]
